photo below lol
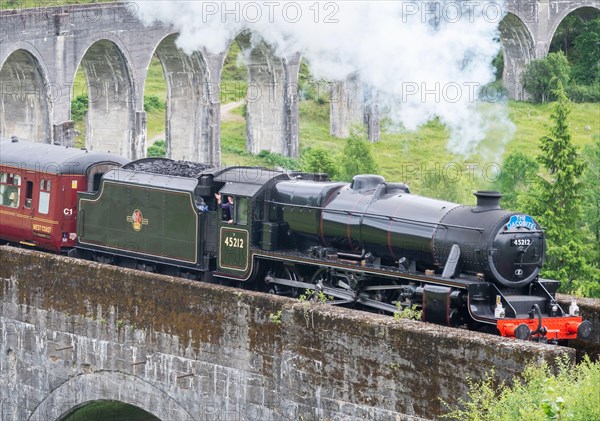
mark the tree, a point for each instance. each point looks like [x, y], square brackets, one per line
[565, 35]
[517, 175]
[538, 77]
[319, 160]
[357, 157]
[158, 149]
[498, 64]
[275, 160]
[152, 102]
[586, 54]
[556, 202]
[591, 207]
[79, 106]
[446, 185]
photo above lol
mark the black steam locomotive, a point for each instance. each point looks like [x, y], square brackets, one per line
[369, 244]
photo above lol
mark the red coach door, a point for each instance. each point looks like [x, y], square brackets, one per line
[10, 204]
[28, 206]
[45, 222]
[68, 208]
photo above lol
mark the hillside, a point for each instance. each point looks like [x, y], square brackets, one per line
[407, 156]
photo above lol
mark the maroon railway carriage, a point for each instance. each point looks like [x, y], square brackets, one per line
[38, 191]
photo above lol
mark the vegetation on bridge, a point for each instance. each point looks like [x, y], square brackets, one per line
[570, 392]
[28, 4]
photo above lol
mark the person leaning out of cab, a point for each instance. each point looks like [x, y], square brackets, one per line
[227, 208]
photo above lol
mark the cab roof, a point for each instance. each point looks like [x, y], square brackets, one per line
[52, 159]
[247, 181]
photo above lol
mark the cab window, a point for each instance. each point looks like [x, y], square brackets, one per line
[241, 211]
[10, 190]
[258, 210]
[44, 202]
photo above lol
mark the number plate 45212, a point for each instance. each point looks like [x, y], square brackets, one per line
[521, 242]
[234, 242]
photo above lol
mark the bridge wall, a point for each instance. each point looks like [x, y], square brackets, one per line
[589, 309]
[74, 332]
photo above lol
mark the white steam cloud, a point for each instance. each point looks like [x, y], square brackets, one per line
[426, 59]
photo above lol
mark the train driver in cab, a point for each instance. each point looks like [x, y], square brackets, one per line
[227, 208]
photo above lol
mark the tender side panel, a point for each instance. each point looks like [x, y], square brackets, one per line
[141, 220]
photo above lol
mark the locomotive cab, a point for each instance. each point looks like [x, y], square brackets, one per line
[248, 226]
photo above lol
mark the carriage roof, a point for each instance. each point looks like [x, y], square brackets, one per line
[52, 159]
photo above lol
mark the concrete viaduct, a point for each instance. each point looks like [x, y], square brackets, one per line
[41, 50]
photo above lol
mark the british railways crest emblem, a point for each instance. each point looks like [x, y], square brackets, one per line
[137, 220]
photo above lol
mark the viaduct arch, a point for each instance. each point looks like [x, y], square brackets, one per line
[89, 389]
[115, 49]
[108, 71]
[188, 104]
[25, 107]
[527, 31]
[272, 100]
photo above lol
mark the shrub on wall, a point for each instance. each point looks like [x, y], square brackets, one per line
[570, 393]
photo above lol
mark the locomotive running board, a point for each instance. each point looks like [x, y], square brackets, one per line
[345, 296]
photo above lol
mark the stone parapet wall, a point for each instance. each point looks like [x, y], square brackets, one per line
[74, 331]
[589, 309]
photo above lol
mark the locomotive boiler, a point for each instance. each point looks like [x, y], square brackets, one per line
[375, 220]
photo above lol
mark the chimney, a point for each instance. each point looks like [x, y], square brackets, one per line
[487, 200]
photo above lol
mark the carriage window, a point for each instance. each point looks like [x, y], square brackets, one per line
[241, 211]
[9, 189]
[44, 203]
[28, 194]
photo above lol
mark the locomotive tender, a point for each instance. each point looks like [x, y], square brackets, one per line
[369, 243]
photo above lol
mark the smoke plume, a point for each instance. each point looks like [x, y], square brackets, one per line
[426, 59]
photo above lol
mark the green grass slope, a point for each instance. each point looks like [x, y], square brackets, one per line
[409, 156]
